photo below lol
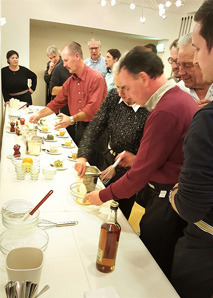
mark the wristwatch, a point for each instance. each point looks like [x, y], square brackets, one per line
[71, 120]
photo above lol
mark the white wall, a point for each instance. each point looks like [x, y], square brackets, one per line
[15, 34]
[87, 13]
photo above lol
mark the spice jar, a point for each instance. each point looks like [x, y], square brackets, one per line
[21, 233]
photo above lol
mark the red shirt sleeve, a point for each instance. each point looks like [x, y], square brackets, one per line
[97, 91]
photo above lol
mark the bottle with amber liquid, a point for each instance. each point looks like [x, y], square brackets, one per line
[108, 242]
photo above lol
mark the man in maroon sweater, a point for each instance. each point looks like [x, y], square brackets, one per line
[159, 159]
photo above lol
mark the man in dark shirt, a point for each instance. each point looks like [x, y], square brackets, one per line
[192, 272]
[58, 77]
[159, 158]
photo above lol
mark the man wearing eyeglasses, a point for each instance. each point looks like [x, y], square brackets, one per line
[191, 76]
[173, 59]
[96, 61]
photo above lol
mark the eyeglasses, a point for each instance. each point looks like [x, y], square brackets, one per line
[95, 49]
[171, 60]
[186, 66]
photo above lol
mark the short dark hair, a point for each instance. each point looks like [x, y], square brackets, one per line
[204, 15]
[11, 53]
[138, 59]
[152, 47]
[74, 48]
[115, 53]
[174, 44]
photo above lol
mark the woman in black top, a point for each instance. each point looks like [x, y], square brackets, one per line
[124, 121]
[15, 80]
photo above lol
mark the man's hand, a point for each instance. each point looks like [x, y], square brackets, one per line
[6, 103]
[202, 103]
[35, 118]
[93, 198]
[127, 159]
[80, 166]
[65, 121]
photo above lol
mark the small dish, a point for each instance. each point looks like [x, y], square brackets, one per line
[68, 147]
[63, 137]
[46, 140]
[53, 153]
[42, 131]
[71, 159]
[59, 168]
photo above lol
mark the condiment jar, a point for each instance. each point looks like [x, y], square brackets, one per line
[21, 233]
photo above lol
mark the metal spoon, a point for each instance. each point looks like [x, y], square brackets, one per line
[45, 288]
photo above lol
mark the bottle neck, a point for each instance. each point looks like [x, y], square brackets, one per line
[112, 216]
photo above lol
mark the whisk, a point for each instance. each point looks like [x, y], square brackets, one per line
[108, 173]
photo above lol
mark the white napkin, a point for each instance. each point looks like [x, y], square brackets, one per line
[107, 292]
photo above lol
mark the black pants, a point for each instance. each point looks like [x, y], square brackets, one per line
[124, 204]
[160, 226]
[192, 271]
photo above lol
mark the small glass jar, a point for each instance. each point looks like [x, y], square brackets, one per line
[21, 233]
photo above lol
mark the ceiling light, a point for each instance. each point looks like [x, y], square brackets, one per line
[178, 3]
[161, 6]
[142, 20]
[132, 5]
[168, 3]
[113, 2]
[103, 2]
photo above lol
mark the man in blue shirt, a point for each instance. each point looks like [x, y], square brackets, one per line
[96, 61]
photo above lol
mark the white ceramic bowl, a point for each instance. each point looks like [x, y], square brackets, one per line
[49, 172]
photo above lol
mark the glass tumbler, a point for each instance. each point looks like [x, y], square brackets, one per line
[34, 171]
[20, 169]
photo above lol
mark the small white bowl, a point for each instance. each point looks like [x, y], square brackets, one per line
[49, 172]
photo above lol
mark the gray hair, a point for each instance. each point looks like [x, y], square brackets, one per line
[94, 39]
[74, 48]
[52, 50]
[185, 40]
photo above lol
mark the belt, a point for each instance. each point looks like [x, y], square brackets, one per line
[19, 93]
[162, 190]
[112, 151]
[204, 226]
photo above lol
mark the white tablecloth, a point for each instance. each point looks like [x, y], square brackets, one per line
[69, 265]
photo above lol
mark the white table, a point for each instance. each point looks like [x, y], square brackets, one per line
[69, 265]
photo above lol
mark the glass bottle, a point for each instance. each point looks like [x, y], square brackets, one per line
[108, 241]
